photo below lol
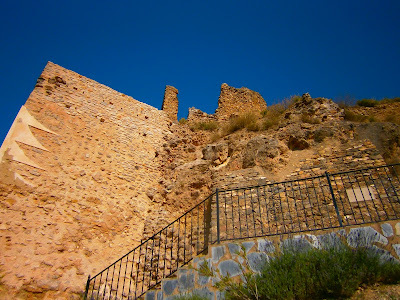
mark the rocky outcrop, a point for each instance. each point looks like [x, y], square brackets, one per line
[385, 136]
[217, 153]
[313, 110]
[265, 152]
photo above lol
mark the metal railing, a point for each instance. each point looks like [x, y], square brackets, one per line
[328, 201]
[156, 258]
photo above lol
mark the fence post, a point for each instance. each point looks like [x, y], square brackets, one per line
[217, 203]
[334, 199]
[87, 288]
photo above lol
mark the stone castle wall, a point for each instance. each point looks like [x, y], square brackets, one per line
[232, 102]
[74, 176]
[170, 103]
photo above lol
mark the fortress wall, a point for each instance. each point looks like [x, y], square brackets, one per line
[233, 102]
[72, 205]
[170, 103]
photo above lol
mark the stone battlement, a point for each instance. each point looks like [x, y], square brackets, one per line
[231, 103]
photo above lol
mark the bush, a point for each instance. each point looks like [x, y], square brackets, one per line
[350, 116]
[271, 116]
[315, 274]
[209, 126]
[367, 102]
[182, 121]
[248, 121]
[190, 297]
[390, 100]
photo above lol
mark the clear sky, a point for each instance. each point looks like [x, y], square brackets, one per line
[278, 48]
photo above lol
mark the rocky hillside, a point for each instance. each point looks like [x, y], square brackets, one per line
[304, 137]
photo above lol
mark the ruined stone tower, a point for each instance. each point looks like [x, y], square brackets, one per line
[233, 101]
[170, 103]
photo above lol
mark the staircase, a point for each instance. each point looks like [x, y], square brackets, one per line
[332, 200]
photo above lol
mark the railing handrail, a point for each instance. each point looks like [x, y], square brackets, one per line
[154, 235]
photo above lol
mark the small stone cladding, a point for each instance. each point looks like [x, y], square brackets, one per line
[228, 258]
[88, 204]
[170, 103]
[233, 101]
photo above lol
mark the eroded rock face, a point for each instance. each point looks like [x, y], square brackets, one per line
[314, 110]
[217, 153]
[263, 151]
[297, 143]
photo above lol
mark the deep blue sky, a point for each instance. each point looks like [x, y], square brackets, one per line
[277, 48]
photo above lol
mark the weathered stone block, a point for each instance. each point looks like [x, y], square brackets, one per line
[169, 286]
[248, 245]
[265, 246]
[365, 236]
[229, 267]
[257, 260]
[217, 253]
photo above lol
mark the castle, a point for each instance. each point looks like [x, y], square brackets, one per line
[88, 172]
[78, 169]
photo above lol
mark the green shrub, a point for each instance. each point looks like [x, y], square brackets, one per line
[367, 102]
[182, 121]
[271, 116]
[191, 297]
[315, 274]
[390, 100]
[295, 98]
[248, 120]
[351, 116]
[209, 126]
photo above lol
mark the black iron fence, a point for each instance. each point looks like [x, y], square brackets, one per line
[156, 258]
[328, 201]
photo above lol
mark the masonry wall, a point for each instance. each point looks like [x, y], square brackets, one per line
[170, 103]
[233, 101]
[71, 207]
[229, 257]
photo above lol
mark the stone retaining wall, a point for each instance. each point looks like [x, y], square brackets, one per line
[228, 258]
